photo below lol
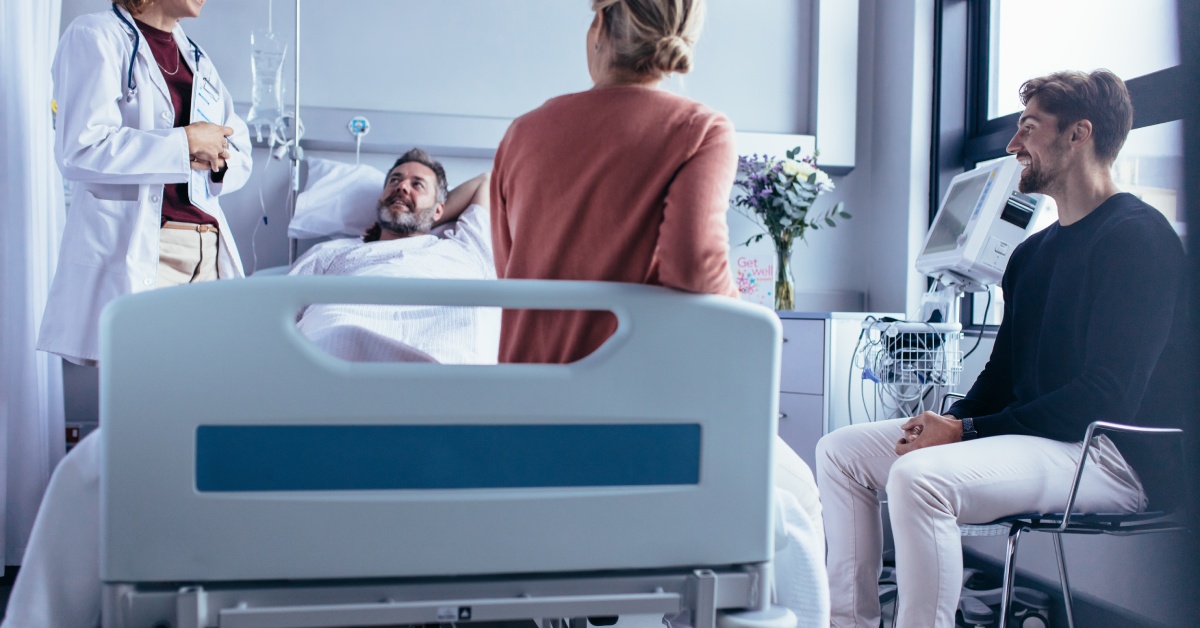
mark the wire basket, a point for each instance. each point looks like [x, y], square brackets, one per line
[909, 360]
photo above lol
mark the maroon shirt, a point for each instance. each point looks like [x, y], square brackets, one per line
[178, 75]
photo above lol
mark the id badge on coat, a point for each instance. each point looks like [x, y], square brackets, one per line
[207, 106]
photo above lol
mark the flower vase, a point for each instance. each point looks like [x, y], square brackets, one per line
[785, 288]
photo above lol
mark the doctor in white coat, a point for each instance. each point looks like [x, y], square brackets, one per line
[123, 133]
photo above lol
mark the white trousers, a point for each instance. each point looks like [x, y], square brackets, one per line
[930, 492]
[59, 582]
[186, 254]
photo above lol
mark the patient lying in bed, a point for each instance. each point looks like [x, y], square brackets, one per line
[413, 202]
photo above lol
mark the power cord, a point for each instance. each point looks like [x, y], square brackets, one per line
[850, 372]
[982, 325]
[850, 376]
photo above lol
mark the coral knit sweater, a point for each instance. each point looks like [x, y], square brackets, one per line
[627, 184]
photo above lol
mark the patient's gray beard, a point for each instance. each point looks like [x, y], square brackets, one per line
[416, 222]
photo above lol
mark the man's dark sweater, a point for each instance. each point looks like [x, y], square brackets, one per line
[1095, 328]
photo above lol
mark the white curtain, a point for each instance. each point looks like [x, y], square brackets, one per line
[31, 220]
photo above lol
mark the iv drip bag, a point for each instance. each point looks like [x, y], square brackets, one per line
[266, 65]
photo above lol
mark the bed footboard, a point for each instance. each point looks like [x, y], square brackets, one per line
[237, 451]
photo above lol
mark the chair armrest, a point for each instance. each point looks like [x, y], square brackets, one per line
[948, 397]
[1107, 426]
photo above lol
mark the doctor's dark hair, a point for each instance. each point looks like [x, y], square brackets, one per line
[133, 6]
[652, 36]
[1099, 97]
[419, 156]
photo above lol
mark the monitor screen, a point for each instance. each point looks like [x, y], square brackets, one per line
[961, 200]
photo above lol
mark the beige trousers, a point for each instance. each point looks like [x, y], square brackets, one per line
[930, 492]
[186, 254]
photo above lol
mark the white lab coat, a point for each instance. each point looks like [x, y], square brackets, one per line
[120, 148]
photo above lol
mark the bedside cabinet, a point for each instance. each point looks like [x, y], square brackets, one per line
[817, 376]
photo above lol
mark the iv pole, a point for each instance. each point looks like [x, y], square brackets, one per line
[296, 154]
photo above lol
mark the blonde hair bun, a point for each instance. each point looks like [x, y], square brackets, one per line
[672, 54]
[652, 36]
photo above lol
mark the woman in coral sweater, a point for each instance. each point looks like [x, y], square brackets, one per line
[623, 182]
[629, 183]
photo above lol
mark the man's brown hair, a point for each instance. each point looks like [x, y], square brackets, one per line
[1099, 97]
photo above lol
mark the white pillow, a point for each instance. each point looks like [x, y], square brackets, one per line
[339, 200]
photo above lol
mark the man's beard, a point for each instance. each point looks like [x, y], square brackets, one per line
[1042, 180]
[1035, 180]
[413, 222]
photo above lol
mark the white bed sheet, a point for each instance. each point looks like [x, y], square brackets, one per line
[392, 333]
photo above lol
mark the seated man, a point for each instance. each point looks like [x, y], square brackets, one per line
[413, 202]
[1094, 318]
[59, 581]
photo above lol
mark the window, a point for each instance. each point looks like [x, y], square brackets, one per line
[1009, 41]
[1031, 38]
[1150, 166]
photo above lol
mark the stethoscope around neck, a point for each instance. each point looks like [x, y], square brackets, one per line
[130, 84]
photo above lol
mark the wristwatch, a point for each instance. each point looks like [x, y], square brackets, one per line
[969, 433]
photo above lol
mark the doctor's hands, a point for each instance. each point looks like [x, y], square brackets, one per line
[928, 429]
[208, 145]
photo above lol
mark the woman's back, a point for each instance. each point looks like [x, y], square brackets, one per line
[623, 183]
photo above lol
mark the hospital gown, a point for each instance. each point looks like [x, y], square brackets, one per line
[373, 333]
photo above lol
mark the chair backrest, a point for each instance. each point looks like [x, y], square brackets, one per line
[233, 449]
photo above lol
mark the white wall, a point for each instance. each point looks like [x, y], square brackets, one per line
[902, 101]
[499, 57]
[873, 253]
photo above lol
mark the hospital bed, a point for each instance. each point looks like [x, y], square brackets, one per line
[250, 480]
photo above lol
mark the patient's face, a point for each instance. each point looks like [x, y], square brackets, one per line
[408, 204]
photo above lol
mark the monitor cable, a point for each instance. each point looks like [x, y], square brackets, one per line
[983, 325]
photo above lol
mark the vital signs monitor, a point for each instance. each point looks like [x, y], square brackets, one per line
[983, 217]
